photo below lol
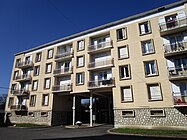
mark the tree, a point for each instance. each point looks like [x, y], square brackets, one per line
[2, 100]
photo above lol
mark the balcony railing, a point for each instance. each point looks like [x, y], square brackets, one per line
[25, 64]
[60, 56]
[24, 77]
[101, 83]
[99, 64]
[62, 88]
[175, 48]
[180, 99]
[177, 72]
[18, 107]
[21, 92]
[100, 46]
[174, 24]
[63, 71]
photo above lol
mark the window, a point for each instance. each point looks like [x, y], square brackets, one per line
[48, 68]
[150, 68]
[80, 45]
[123, 52]
[16, 73]
[121, 34]
[18, 61]
[32, 100]
[47, 83]
[11, 101]
[80, 61]
[154, 92]
[144, 28]
[126, 94]
[171, 21]
[27, 59]
[80, 78]
[35, 85]
[157, 113]
[147, 47]
[50, 54]
[124, 72]
[31, 114]
[38, 57]
[36, 70]
[44, 114]
[13, 88]
[45, 100]
[127, 113]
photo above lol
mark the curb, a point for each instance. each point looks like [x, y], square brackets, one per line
[143, 135]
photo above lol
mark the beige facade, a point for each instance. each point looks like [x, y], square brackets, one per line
[133, 70]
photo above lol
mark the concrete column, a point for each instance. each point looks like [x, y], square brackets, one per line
[91, 113]
[74, 109]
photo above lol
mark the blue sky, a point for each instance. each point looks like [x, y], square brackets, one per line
[25, 24]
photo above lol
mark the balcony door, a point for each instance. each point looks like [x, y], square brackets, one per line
[176, 42]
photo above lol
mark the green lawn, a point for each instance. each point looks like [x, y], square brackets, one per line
[150, 131]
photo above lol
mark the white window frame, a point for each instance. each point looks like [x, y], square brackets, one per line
[38, 57]
[80, 78]
[123, 33]
[48, 68]
[154, 95]
[126, 98]
[35, 85]
[47, 83]
[147, 47]
[142, 27]
[79, 63]
[80, 45]
[36, 70]
[126, 74]
[150, 65]
[32, 100]
[45, 100]
[50, 54]
[126, 52]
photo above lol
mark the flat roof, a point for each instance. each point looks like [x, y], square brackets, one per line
[127, 19]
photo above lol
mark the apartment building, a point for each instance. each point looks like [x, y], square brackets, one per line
[132, 72]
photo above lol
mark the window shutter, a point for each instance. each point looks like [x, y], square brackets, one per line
[46, 99]
[155, 92]
[123, 52]
[127, 94]
[181, 15]
[142, 28]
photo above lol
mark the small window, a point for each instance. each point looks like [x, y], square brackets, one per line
[123, 52]
[128, 113]
[147, 47]
[32, 100]
[80, 78]
[50, 54]
[47, 83]
[31, 114]
[18, 61]
[154, 92]
[126, 94]
[171, 21]
[80, 61]
[11, 101]
[36, 70]
[124, 72]
[38, 57]
[44, 114]
[27, 60]
[13, 88]
[16, 73]
[35, 85]
[48, 68]
[157, 113]
[121, 34]
[45, 100]
[80, 45]
[150, 68]
[144, 28]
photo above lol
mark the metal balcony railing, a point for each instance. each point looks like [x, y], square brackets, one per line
[24, 77]
[20, 92]
[180, 99]
[177, 72]
[18, 107]
[62, 88]
[99, 46]
[174, 24]
[64, 55]
[101, 83]
[175, 47]
[25, 64]
[101, 63]
[63, 71]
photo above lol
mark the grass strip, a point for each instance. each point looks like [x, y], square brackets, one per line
[150, 131]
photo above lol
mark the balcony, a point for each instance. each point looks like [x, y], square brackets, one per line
[173, 26]
[21, 92]
[23, 78]
[63, 56]
[100, 47]
[62, 88]
[101, 64]
[18, 108]
[179, 99]
[177, 73]
[175, 48]
[25, 64]
[107, 83]
[63, 71]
